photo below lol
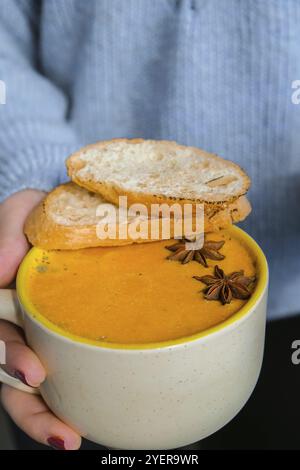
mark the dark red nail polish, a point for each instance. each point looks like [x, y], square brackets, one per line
[18, 374]
[56, 442]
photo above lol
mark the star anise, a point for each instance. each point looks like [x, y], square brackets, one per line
[210, 250]
[224, 287]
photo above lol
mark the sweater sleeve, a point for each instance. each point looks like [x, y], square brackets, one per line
[35, 134]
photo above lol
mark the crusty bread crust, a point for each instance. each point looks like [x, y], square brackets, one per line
[43, 231]
[112, 191]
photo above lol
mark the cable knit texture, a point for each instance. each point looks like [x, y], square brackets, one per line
[212, 73]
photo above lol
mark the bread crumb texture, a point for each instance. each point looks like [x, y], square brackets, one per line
[160, 168]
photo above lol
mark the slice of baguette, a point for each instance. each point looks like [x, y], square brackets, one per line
[66, 220]
[148, 171]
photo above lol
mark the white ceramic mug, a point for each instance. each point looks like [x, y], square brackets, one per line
[158, 396]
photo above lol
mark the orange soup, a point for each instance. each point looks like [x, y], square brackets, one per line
[132, 294]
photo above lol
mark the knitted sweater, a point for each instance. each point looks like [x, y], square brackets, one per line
[211, 73]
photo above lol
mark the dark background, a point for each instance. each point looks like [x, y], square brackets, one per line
[270, 419]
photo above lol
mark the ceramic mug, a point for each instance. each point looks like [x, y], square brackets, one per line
[156, 396]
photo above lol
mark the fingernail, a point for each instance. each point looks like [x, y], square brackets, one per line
[18, 374]
[56, 442]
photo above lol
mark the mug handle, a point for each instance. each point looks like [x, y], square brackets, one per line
[10, 311]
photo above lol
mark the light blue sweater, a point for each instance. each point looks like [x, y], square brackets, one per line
[211, 73]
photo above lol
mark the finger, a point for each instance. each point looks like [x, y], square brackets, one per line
[16, 208]
[12, 251]
[21, 362]
[32, 415]
[13, 244]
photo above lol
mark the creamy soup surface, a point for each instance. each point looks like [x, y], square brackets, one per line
[131, 294]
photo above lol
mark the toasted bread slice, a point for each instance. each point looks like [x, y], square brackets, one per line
[67, 219]
[148, 171]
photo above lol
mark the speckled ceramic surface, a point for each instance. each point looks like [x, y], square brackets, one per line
[153, 398]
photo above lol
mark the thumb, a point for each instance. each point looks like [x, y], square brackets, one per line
[13, 243]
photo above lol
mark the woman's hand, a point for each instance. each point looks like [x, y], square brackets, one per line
[28, 411]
